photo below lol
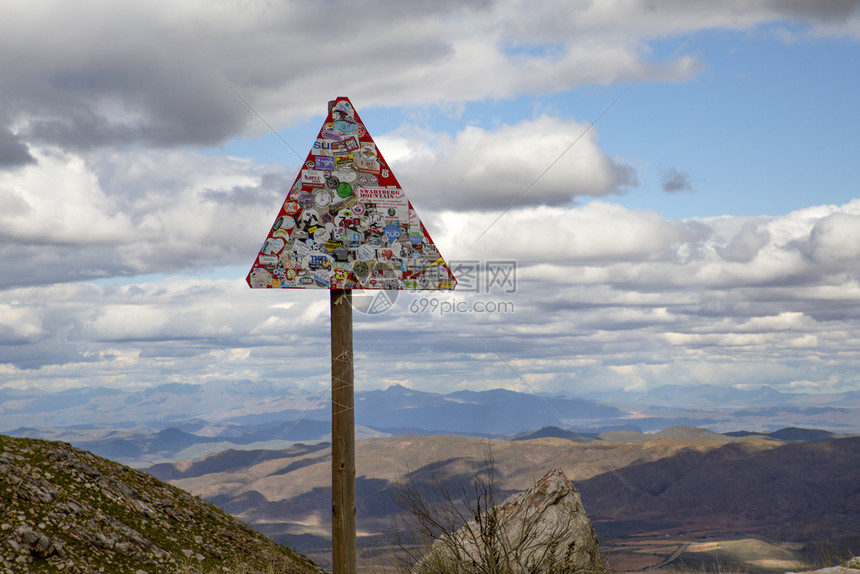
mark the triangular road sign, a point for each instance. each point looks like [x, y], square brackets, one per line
[346, 223]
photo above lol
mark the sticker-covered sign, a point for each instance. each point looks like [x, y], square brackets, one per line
[346, 223]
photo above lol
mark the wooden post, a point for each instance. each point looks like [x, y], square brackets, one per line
[342, 435]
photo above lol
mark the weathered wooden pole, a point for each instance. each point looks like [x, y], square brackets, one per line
[344, 224]
[342, 435]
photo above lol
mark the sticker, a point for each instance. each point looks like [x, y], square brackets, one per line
[358, 209]
[344, 118]
[341, 277]
[328, 132]
[340, 254]
[343, 110]
[321, 235]
[273, 246]
[322, 198]
[339, 203]
[344, 160]
[353, 240]
[306, 200]
[344, 190]
[350, 144]
[375, 221]
[347, 174]
[318, 262]
[291, 207]
[322, 147]
[323, 162]
[313, 178]
[366, 158]
[368, 150]
[259, 278]
[392, 233]
[390, 201]
[346, 127]
[301, 250]
[361, 270]
[284, 222]
[366, 252]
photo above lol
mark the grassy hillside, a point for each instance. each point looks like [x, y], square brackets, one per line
[63, 509]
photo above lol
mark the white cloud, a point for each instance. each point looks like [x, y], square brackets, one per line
[78, 216]
[835, 239]
[599, 232]
[601, 304]
[481, 169]
[161, 83]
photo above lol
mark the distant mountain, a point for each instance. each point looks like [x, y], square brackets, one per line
[706, 396]
[554, 432]
[494, 412]
[685, 433]
[792, 434]
[698, 396]
[142, 446]
[64, 509]
[186, 421]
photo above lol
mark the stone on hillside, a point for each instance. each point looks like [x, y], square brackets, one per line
[830, 570]
[544, 529]
[852, 566]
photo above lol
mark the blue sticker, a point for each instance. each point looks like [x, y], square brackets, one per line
[392, 233]
[322, 145]
[323, 162]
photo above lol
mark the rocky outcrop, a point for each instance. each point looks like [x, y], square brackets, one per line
[851, 566]
[64, 509]
[544, 529]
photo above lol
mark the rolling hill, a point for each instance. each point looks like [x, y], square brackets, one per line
[684, 483]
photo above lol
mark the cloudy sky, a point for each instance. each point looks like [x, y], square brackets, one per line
[639, 192]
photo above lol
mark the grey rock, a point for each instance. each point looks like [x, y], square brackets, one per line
[544, 529]
[852, 566]
[830, 570]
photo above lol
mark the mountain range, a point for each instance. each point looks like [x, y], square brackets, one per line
[184, 421]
